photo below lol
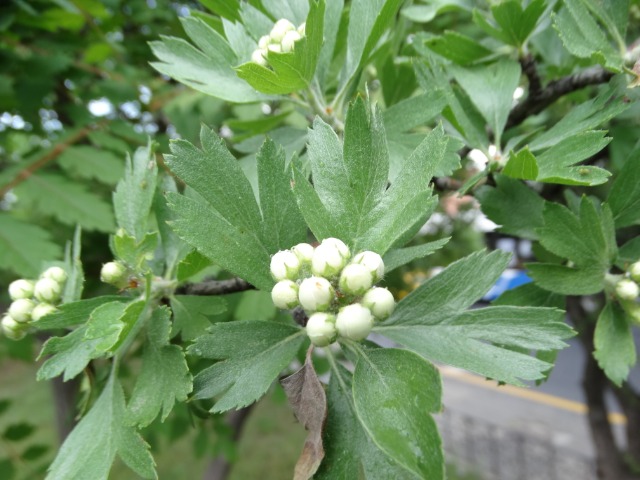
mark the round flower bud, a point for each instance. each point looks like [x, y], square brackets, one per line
[380, 301]
[354, 322]
[304, 252]
[285, 294]
[113, 273]
[302, 29]
[355, 279]
[12, 329]
[373, 262]
[329, 258]
[627, 289]
[289, 40]
[316, 294]
[47, 290]
[259, 56]
[321, 329]
[264, 42]
[20, 310]
[285, 265]
[275, 47]
[42, 310]
[280, 29]
[634, 271]
[55, 273]
[21, 289]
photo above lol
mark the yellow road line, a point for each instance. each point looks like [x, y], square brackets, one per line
[532, 395]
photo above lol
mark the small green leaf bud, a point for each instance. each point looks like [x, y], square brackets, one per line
[329, 258]
[42, 310]
[627, 289]
[47, 290]
[380, 301]
[113, 273]
[264, 42]
[355, 279]
[57, 274]
[285, 294]
[285, 265]
[259, 56]
[289, 40]
[316, 294]
[302, 29]
[321, 329]
[21, 289]
[280, 29]
[354, 322]
[373, 262]
[20, 310]
[304, 252]
[634, 271]
[12, 329]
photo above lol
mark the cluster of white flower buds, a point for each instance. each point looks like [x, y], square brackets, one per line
[335, 290]
[282, 39]
[32, 300]
[627, 288]
[115, 273]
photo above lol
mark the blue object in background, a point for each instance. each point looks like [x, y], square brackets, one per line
[510, 279]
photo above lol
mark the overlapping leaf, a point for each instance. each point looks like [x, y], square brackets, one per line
[615, 348]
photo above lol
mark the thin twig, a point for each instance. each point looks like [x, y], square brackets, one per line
[215, 287]
[530, 69]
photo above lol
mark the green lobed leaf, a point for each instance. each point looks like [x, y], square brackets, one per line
[412, 112]
[133, 197]
[23, 247]
[191, 265]
[401, 256]
[567, 280]
[394, 391]
[190, 314]
[517, 23]
[458, 48]
[175, 250]
[522, 165]
[92, 163]
[615, 349]
[251, 354]
[164, 377]
[75, 313]
[530, 295]
[624, 196]
[133, 252]
[110, 323]
[90, 449]
[70, 203]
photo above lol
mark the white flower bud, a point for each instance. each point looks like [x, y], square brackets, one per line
[12, 329]
[280, 29]
[329, 258]
[285, 265]
[373, 262]
[304, 252]
[55, 273]
[380, 301]
[285, 294]
[354, 322]
[355, 279]
[321, 329]
[316, 294]
[289, 40]
[264, 42]
[634, 271]
[20, 310]
[259, 56]
[42, 310]
[302, 29]
[275, 47]
[627, 289]
[113, 273]
[21, 289]
[47, 290]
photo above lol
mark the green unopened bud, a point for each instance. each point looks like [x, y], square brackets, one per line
[355, 279]
[373, 262]
[380, 301]
[321, 329]
[627, 289]
[12, 329]
[289, 40]
[21, 289]
[280, 29]
[285, 294]
[329, 258]
[57, 274]
[354, 322]
[20, 310]
[42, 310]
[285, 265]
[634, 271]
[316, 294]
[114, 273]
[47, 290]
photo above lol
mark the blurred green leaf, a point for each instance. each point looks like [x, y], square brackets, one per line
[615, 349]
